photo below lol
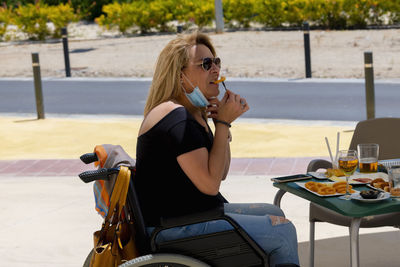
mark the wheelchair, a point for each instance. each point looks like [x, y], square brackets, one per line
[229, 248]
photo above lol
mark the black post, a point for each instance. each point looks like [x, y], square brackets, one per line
[307, 53]
[38, 85]
[179, 29]
[64, 36]
[369, 85]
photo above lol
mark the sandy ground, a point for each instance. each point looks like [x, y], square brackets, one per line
[95, 53]
[58, 217]
[60, 138]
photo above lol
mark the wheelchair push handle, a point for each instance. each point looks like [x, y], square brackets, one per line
[89, 158]
[100, 174]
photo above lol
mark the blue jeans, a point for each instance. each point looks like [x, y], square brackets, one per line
[265, 223]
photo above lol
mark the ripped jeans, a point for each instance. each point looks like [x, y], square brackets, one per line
[265, 223]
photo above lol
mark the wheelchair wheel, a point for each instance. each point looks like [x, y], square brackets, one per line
[88, 258]
[165, 260]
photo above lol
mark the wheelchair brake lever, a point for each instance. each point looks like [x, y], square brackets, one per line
[100, 174]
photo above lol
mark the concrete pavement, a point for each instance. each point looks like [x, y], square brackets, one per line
[48, 213]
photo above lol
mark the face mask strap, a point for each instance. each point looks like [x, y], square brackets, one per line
[187, 79]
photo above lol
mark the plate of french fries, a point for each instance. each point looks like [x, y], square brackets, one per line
[326, 189]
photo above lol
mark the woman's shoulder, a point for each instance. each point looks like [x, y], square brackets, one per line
[158, 113]
[163, 109]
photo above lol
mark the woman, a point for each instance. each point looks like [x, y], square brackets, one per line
[180, 163]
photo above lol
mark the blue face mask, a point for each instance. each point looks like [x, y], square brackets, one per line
[196, 97]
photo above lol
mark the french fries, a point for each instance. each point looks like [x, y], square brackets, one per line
[220, 80]
[324, 189]
[334, 172]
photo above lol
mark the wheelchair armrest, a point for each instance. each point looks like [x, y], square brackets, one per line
[193, 218]
[316, 164]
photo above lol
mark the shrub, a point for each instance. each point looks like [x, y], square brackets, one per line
[5, 16]
[327, 13]
[88, 8]
[32, 20]
[156, 14]
[270, 13]
[358, 12]
[391, 9]
[162, 12]
[241, 11]
[91, 9]
[31, 16]
[143, 16]
[203, 13]
[117, 15]
[61, 15]
[295, 11]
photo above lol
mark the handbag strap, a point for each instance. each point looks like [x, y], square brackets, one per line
[118, 196]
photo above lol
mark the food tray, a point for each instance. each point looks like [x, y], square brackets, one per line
[318, 175]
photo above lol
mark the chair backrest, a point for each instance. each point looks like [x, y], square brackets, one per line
[382, 131]
[141, 237]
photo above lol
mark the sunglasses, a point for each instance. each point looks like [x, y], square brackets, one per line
[207, 63]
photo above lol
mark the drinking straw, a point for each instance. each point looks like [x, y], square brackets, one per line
[329, 149]
[337, 146]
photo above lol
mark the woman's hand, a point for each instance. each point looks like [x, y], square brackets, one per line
[230, 107]
[212, 109]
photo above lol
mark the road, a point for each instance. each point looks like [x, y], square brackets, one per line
[342, 101]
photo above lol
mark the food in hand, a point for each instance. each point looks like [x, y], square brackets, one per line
[334, 172]
[220, 80]
[369, 194]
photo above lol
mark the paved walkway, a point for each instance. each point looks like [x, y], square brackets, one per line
[45, 201]
[72, 167]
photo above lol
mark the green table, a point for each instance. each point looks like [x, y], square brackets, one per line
[356, 210]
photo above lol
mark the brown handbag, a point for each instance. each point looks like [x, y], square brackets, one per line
[114, 243]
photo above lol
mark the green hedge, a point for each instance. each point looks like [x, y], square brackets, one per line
[88, 9]
[147, 15]
[156, 14]
[329, 14]
[32, 19]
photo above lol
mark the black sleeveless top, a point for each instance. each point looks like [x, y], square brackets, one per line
[162, 187]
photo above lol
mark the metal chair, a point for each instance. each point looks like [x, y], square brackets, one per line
[383, 131]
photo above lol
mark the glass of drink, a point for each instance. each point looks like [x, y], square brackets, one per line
[348, 163]
[368, 155]
[394, 181]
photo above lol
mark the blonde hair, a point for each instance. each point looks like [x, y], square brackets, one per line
[166, 84]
